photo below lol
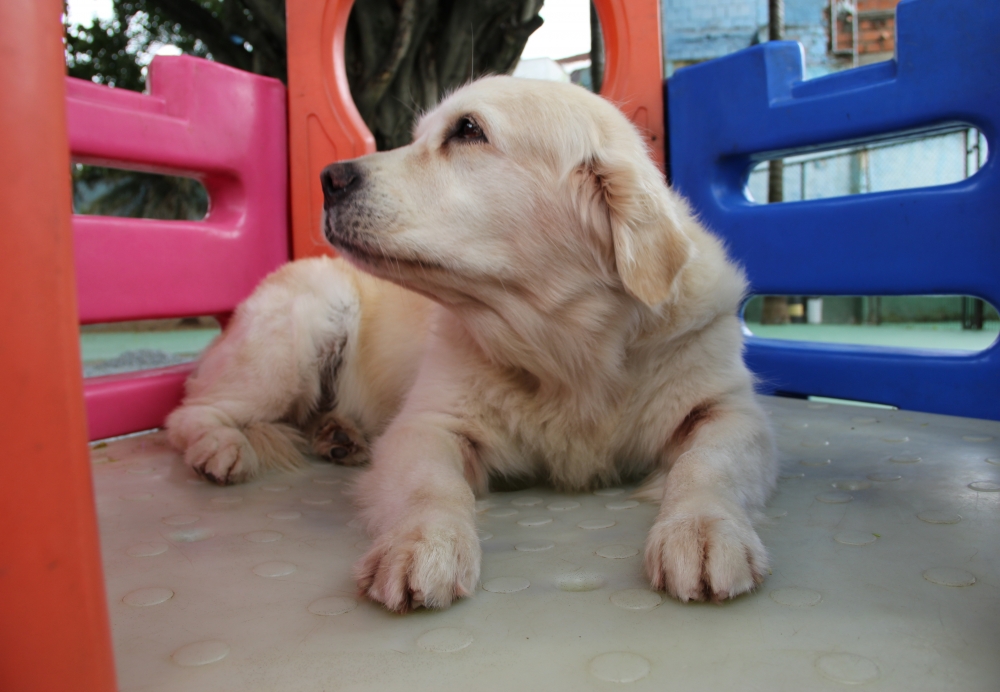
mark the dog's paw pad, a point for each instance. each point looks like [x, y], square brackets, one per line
[337, 440]
[223, 456]
[704, 557]
[429, 565]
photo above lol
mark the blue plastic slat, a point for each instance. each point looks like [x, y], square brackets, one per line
[727, 114]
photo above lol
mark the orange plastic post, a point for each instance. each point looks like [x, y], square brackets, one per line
[54, 632]
[324, 125]
[633, 66]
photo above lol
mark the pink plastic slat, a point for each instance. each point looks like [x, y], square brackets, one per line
[121, 404]
[225, 127]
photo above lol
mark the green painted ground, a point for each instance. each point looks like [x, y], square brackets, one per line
[110, 352]
[934, 335]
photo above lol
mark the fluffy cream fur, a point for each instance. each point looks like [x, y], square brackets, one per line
[581, 329]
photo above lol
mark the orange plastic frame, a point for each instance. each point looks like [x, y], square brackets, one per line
[324, 125]
[54, 632]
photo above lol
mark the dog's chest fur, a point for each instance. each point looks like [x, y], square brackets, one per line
[570, 439]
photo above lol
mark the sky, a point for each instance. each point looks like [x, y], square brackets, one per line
[566, 30]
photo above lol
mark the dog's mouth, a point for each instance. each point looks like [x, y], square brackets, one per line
[374, 259]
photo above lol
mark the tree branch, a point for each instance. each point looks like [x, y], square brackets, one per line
[212, 32]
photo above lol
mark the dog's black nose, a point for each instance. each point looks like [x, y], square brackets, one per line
[339, 180]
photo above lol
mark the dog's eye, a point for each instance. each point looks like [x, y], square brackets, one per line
[466, 130]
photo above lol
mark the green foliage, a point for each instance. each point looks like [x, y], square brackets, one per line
[115, 192]
[116, 51]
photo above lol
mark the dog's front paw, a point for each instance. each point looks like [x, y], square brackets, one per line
[426, 562]
[705, 554]
[223, 455]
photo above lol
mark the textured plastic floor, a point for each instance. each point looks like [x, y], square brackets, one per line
[884, 535]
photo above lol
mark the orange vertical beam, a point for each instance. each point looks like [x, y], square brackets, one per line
[323, 124]
[54, 632]
[633, 72]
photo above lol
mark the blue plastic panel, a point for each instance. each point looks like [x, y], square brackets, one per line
[727, 114]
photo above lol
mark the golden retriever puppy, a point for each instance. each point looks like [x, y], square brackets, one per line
[581, 329]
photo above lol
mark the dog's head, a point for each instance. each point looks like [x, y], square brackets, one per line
[516, 198]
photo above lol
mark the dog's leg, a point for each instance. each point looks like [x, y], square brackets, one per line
[703, 545]
[421, 514]
[263, 376]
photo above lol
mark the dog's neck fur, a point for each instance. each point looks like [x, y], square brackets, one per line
[575, 351]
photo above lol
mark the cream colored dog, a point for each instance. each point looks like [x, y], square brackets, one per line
[581, 329]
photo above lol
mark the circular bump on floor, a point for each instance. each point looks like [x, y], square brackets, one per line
[939, 516]
[884, 477]
[274, 569]
[848, 669]
[795, 596]
[636, 599]
[775, 513]
[622, 504]
[534, 521]
[190, 535]
[834, 498]
[527, 501]
[792, 475]
[949, 576]
[896, 439]
[563, 505]
[855, 538]
[581, 581]
[593, 524]
[905, 459]
[332, 605]
[484, 535]
[993, 460]
[851, 485]
[617, 551]
[985, 486]
[609, 492]
[147, 549]
[506, 584]
[180, 519]
[534, 546]
[275, 488]
[263, 536]
[619, 666]
[200, 653]
[150, 596]
[317, 501]
[227, 501]
[445, 640]
[501, 512]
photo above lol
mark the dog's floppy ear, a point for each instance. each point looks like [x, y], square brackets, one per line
[647, 224]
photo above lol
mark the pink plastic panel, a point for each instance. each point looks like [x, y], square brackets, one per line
[222, 126]
[225, 127]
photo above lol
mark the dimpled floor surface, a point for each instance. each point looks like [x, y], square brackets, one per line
[884, 534]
